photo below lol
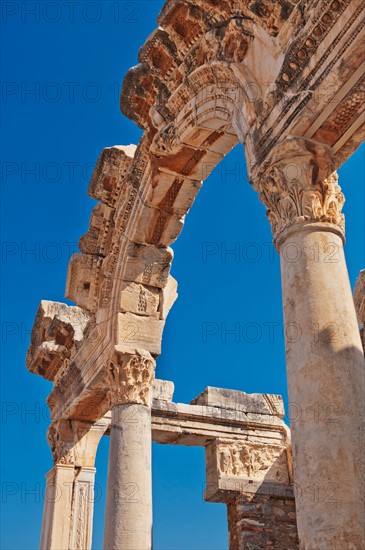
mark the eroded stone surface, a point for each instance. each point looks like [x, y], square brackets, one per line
[286, 79]
[238, 400]
[57, 333]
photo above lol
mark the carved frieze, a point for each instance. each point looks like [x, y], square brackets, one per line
[246, 467]
[251, 461]
[305, 47]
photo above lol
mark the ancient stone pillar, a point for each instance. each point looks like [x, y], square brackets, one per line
[57, 507]
[128, 516]
[69, 497]
[325, 362]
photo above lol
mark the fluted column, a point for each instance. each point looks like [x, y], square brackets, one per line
[128, 516]
[325, 362]
[69, 497]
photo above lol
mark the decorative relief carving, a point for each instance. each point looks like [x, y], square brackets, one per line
[166, 141]
[142, 302]
[63, 452]
[251, 461]
[298, 186]
[130, 379]
[302, 50]
[271, 14]
[81, 514]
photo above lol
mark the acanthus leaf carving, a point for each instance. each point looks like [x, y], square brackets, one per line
[300, 187]
[130, 379]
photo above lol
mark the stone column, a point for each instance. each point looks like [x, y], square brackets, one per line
[325, 363]
[69, 498]
[128, 516]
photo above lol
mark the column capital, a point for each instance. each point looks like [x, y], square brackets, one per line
[129, 375]
[298, 185]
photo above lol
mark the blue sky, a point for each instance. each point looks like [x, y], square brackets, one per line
[74, 61]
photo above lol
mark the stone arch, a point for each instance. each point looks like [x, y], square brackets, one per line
[212, 74]
[197, 92]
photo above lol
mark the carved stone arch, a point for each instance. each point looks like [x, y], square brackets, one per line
[166, 173]
[193, 95]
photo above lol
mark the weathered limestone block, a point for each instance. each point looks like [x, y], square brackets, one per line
[240, 467]
[140, 299]
[98, 239]
[149, 265]
[139, 331]
[217, 141]
[57, 332]
[171, 193]
[83, 280]
[257, 521]
[200, 424]
[187, 162]
[56, 522]
[260, 403]
[162, 390]
[110, 173]
[155, 226]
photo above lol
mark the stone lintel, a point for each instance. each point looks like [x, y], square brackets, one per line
[199, 425]
[260, 403]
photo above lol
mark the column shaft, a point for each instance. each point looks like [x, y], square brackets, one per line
[128, 518]
[57, 510]
[325, 369]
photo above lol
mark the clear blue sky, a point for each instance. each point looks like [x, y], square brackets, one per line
[74, 61]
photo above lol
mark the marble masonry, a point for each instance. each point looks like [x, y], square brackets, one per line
[284, 78]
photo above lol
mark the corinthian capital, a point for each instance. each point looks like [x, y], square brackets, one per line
[130, 376]
[298, 185]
